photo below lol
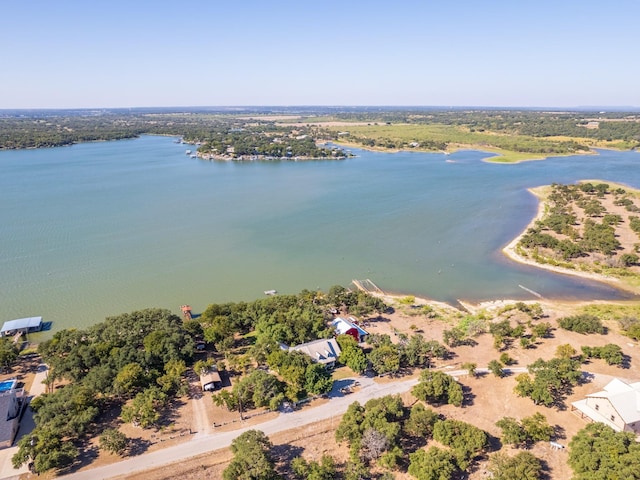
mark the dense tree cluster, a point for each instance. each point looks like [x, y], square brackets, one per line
[597, 452]
[523, 466]
[552, 380]
[576, 224]
[610, 353]
[526, 431]
[438, 388]
[384, 430]
[139, 355]
[583, 323]
[252, 458]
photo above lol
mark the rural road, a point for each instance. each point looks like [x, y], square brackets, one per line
[207, 442]
[203, 442]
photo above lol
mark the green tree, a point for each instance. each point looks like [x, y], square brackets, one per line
[584, 323]
[257, 389]
[252, 459]
[317, 379]
[145, 408]
[418, 352]
[437, 388]
[522, 466]
[349, 428]
[46, 449]
[312, 470]
[536, 428]
[470, 367]
[351, 354]
[597, 452]
[385, 358]
[466, 440]
[173, 379]
[130, 380]
[610, 352]
[421, 421]
[114, 441]
[629, 259]
[565, 351]
[8, 352]
[512, 432]
[552, 380]
[432, 464]
[531, 429]
[496, 368]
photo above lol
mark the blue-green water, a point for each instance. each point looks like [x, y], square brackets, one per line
[103, 228]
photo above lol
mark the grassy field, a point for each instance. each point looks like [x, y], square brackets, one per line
[509, 148]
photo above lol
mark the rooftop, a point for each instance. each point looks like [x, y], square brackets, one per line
[21, 324]
[321, 351]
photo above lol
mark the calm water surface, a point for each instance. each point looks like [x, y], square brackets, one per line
[103, 228]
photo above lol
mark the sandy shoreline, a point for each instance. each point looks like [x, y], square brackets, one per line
[511, 252]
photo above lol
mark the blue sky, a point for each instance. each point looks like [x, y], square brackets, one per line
[78, 53]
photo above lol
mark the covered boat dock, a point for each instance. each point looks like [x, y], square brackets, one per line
[21, 326]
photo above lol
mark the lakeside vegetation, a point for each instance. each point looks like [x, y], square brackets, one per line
[589, 228]
[134, 368]
[513, 135]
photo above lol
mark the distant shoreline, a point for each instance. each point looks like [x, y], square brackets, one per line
[495, 158]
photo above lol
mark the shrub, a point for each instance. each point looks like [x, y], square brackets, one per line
[584, 323]
[610, 353]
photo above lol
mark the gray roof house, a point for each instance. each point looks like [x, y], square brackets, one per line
[11, 401]
[325, 351]
[617, 406]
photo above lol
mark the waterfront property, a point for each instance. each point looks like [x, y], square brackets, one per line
[349, 327]
[22, 326]
[617, 406]
[11, 403]
[324, 351]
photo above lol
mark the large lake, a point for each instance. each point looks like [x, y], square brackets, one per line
[98, 229]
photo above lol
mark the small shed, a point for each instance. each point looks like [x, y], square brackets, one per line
[210, 380]
[21, 325]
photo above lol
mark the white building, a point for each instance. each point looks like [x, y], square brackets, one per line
[617, 406]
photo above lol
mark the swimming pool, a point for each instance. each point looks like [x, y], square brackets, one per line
[7, 385]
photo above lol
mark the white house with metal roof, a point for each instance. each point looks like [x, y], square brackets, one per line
[21, 325]
[617, 406]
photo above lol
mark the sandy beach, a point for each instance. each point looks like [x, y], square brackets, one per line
[511, 252]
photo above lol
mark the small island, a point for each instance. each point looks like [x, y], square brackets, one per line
[591, 229]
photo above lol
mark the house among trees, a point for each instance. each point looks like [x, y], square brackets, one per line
[210, 380]
[21, 325]
[324, 351]
[11, 401]
[349, 327]
[617, 406]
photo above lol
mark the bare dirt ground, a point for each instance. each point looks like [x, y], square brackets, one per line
[489, 398]
[589, 266]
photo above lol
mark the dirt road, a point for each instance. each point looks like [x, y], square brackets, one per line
[203, 443]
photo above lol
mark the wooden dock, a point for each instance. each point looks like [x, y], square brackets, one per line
[367, 286]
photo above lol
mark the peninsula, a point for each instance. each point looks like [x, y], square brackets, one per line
[591, 230]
